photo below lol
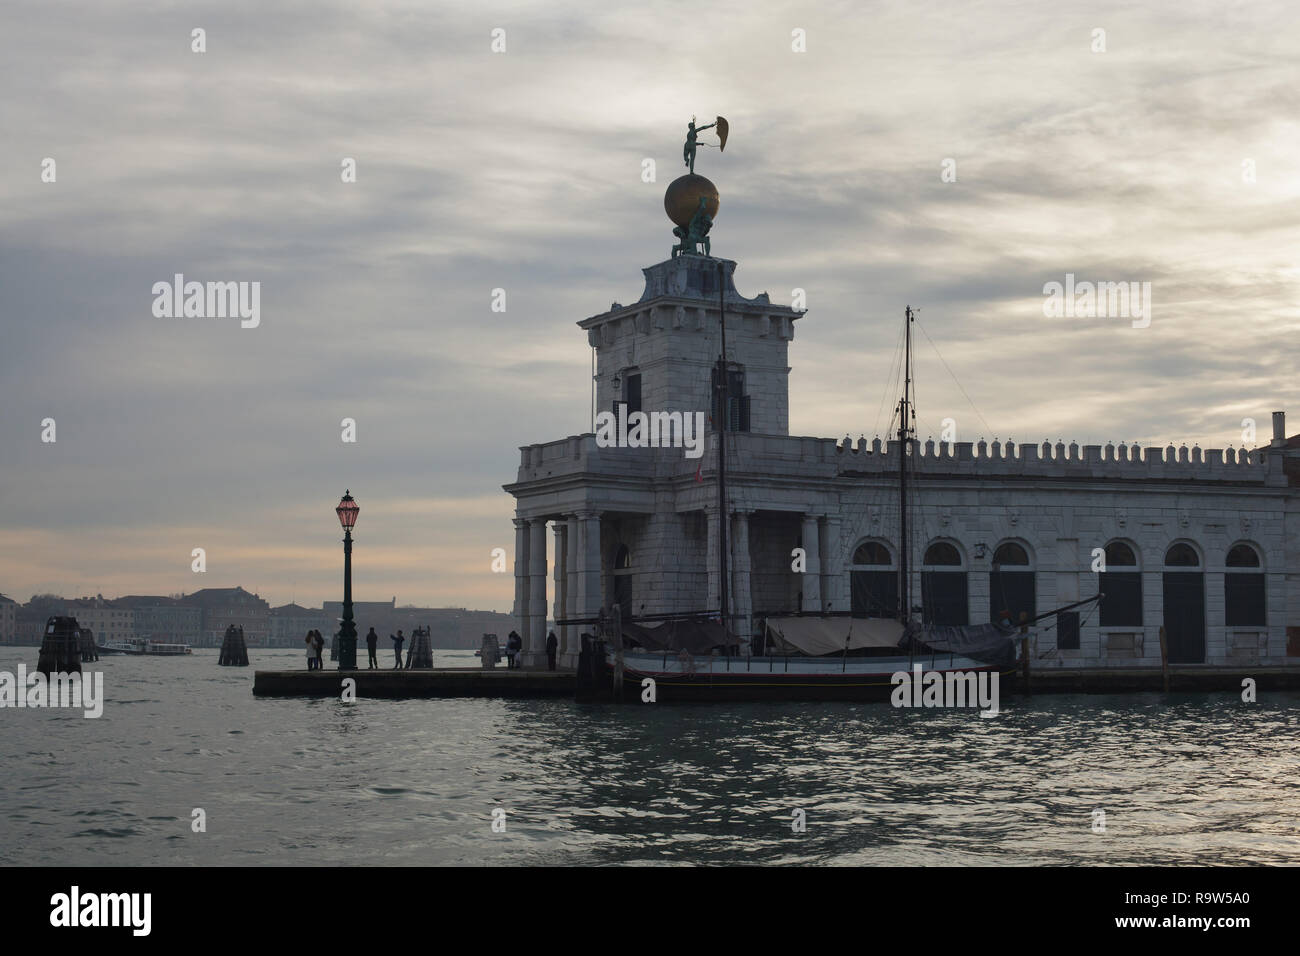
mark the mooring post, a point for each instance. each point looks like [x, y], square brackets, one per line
[1024, 648]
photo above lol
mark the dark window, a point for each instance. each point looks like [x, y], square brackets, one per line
[1181, 556]
[1120, 555]
[1067, 631]
[1121, 602]
[1242, 556]
[943, 554]
[943, 598]
[1010, 594]
[1010, 553]
[623, 558]
[874, 593]
[738, 403]
[873, 552]
[632, 392]
[1243, 600]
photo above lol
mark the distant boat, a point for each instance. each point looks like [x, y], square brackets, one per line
[143, 646]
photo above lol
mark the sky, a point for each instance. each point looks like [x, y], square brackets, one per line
[1170, 156]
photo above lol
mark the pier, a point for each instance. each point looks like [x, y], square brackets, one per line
[502, 682]
[441, 682]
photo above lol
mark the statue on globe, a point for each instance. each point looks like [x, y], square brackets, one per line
[692, 132]
[696, 233]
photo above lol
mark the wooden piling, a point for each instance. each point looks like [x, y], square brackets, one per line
[1164, 660]
[234, 652]
[421, 653]
[60, 647]
[1024, 650]
[86, 644]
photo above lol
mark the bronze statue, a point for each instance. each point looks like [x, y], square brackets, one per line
[692, 131]
[695, 234]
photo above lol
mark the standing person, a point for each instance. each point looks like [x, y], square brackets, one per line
[398, 641]
[372, 644]
[513, 643]
[552, 645]
[311, 652]
[319, 643]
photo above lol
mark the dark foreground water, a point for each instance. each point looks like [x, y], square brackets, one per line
[1184, 779]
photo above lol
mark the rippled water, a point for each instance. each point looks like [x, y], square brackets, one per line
[1183, 779]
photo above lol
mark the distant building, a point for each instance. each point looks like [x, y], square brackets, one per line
[222, 607]
[165, 619]
[109, 620]
[449, 627]
[291, 622]
[8, 620]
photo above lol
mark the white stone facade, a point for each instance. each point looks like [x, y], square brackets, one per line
[638, 525]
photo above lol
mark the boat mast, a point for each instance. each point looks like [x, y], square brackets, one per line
[722, 456]
[905, 570]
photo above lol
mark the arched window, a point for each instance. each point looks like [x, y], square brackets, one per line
[942, 554]
[1184, 605]
[1242, 556]
[943, 586]
[873, 552]
[873, 581]
[1243, 588]
[1121, 588]
[1011, 584]
[1120, 555]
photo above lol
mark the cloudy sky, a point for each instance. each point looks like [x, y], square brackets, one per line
[522, 170]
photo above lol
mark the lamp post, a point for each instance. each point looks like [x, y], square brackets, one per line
[347, 512]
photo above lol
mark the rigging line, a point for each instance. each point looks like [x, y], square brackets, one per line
[954, 378]
[890, 381]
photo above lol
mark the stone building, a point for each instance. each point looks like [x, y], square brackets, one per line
[222, 607]
[107, 620]
[291, 622]
[164, 619]
[1205, 543]
[8, 620]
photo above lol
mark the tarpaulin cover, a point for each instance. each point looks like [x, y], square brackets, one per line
[695, 637]
[988, 643]
[818, 636]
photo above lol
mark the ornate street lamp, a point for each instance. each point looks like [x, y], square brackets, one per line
[347, 512]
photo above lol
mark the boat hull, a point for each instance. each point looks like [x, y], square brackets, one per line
[773, 679]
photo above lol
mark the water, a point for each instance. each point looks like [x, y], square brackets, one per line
[1187, 779]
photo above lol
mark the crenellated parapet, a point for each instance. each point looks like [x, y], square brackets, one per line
[1059, 460]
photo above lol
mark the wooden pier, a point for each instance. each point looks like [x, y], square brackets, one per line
[441, 682]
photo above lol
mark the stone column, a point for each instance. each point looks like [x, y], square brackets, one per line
[535, 639]
[812, 583]
[572, 644]
[588, 566]
[740, 580]
[561, 530]
[834, 584]
[521, 581]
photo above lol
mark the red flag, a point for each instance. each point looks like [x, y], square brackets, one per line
[699, 477]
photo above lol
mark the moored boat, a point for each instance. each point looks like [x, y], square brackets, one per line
[143, 646]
